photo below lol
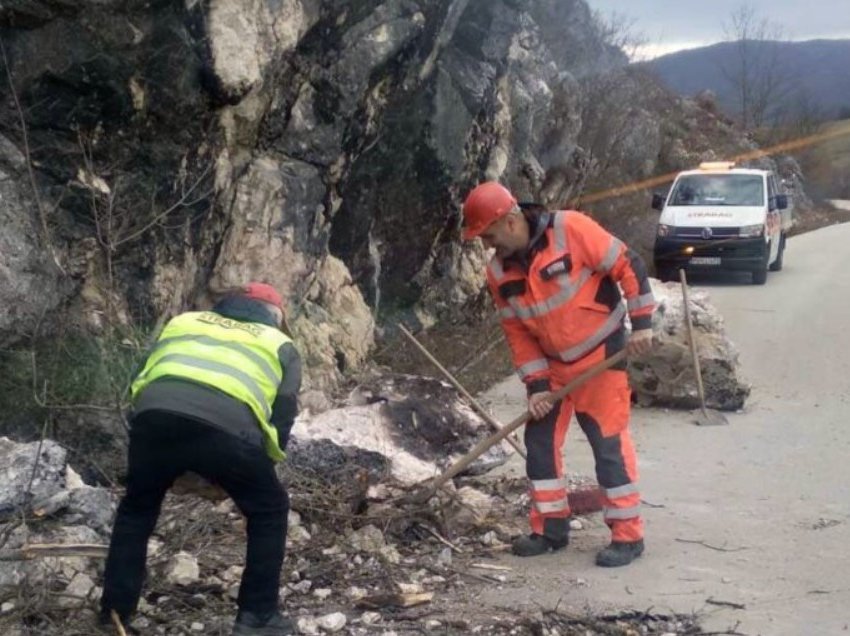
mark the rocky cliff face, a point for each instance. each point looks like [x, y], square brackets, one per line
[181, 148]
[156, 153]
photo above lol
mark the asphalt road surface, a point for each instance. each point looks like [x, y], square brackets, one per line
[749, 524]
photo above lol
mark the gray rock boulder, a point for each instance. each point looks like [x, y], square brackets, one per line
[56, 491]
[666, 377]
[43, 570]
[16, 473]
[92, 506]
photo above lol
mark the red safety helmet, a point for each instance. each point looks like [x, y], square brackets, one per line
[263, 292]
[488, 202]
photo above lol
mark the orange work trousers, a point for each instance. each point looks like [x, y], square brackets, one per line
[602, 407]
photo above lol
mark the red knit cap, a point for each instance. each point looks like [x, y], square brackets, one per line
[263, 292]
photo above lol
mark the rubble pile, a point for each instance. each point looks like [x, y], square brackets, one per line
[361, 558]
[665, 376]
[419, 425]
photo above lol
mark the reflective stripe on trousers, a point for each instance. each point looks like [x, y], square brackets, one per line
[549, 497]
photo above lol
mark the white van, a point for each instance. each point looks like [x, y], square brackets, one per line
[719, 217]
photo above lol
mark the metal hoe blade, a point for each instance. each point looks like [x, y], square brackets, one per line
[710, 417]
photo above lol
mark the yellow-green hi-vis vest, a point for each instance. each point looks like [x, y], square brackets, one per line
[238, 358]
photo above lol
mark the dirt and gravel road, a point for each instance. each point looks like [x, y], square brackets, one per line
[748, 525]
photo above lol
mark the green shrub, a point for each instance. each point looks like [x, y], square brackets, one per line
[74, 371]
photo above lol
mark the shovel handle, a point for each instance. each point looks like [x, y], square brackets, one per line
[691, 339]
[481, 447]
[472, 401]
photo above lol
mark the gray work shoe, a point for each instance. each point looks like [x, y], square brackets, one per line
[619, 553]
[262, 624]
[535, 544]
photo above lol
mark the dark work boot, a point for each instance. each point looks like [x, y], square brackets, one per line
[535, 544]
[262, 624]
[619, 553]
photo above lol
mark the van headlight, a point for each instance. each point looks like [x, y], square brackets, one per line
[751, 231]
[664, 230]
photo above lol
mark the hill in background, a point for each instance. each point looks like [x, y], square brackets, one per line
[816, 73]
[827, 165]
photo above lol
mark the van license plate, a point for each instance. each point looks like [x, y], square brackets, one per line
[705, 260]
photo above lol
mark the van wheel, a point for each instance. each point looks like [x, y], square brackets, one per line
[776, 266]
[760, 274]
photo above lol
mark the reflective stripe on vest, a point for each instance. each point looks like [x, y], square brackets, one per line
[610, 256]
[611, 324]
[541, 364]
[240, 359]
[216, 367]
[270, 373]
[568, 291]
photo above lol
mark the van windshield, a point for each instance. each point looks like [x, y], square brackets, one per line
[718, 189]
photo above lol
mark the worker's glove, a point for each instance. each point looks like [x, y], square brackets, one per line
[640, 342]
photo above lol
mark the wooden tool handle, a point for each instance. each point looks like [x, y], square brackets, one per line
[693, 343]
[481, 447]
[472, 401]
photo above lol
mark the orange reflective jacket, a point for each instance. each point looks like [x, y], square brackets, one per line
[565, 301]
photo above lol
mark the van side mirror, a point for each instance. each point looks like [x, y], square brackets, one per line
[657, 201]
[781, 201]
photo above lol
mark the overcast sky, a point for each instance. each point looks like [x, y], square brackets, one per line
[670, 25]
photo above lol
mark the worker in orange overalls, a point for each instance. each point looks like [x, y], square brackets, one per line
[556, 279]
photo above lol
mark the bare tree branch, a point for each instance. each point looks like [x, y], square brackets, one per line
[32, 551]
[760, 82]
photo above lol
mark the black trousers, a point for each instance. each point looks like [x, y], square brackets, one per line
[162, 447]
